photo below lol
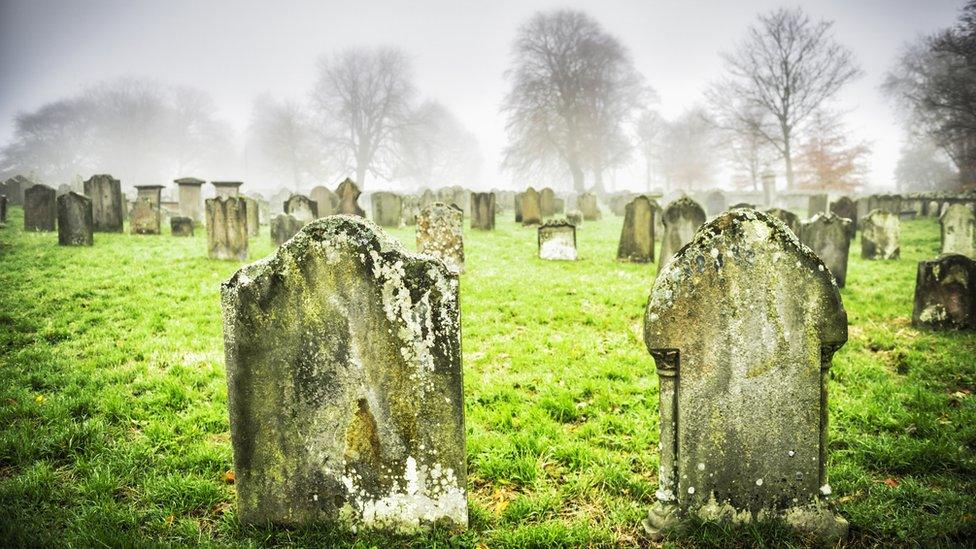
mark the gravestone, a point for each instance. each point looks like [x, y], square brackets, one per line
[681, 219]
[945, 293]
[348, 194]
[387, 209]
[658, 218]
[817, 204]
[483, 211]
[637, 235]
[557, 240]
[462, 199]
[880, 232]
[890, 203]
[426, 198]
[13, 191]
[742, 325]
[547, 202]
[588, 206]
[560, 205]
[344, 378]
[283, 227]
[145, 217]
[40, 209]
[108, 206]
[829, 236]
[788, 218]
[3, 209]
[959, 230]
[75, 220]
[253, 216]
[410, 209]
[518, 207]
[575, 217]
[190, 197]
[531, 208]
[227, 189]
[326, 201]
[226, 228]
[439, 233]
[301, 208]
[845, 208]
[617, 202]
[63, 189]
[715, 202]
[181, 226]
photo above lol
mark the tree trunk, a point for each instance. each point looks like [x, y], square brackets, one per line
[788, 158]
[360, 175]
[579, 183]
[598, 187]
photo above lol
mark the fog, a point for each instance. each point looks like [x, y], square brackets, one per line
[240, 52]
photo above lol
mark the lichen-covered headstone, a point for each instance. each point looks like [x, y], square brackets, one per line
[483, 211]
[13, 191]
[75, 220]
[226, 228]
[283, 227]
[440, 234]
[959, 230]
[788, 218]
[681, 219]
[146, 216]
[742, 325]
[348, 194]
[845, 208]
[547, 202]
[637, 235]
[829, 236]
[557, 240]
[880, 233]
[3, 208]
[301, 208]
[531, 208]
[181, 226]
[817, 204]
[253, 216]
[227, 189]
[426, 199]
[108, 206]
[387, 209]
[326, 201]
[40, 210]
[587, 204]
[575, 217]
[945, 293]
[344, 379]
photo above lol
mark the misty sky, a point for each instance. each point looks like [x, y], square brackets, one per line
[237, 49]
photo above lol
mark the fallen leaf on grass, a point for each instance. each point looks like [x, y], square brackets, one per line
[39, 399]
[229, 476]
[169, 520]
[891, 482]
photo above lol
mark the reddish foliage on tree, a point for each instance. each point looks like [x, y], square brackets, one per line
[828, 160]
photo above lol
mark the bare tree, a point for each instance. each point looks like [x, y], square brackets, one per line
[749, 152]
[282, 142]
[789, 67]
[690, 151]
[924, 166]
[435, 148]
[364, 98]
[573, 87]
[649, 131]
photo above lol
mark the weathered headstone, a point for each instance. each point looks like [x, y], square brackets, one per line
[426, 199]
[75, 220]
[531, 209]
[560, 205]
[13, 191]
[145, 217]
[845, 208]
[181, 226]
[817, 204]
[547, 202]
[326, 200]
[411, 207]
[348, 194]
[715, 202]
[575, 217]
[108, 206]
[40, 209]
[483, 211]
[880, 232]
[344, 379]
[253, 216]
[788, 218]
[3, 209]
[557, 240]
[190, 198]
[63, 189]
[439, 233]
[387, 209]
[637, 235]
[742, 325]
[588, 206]
[226, 228]
[301, 208]
[959, 230]
[518, 207]
[945, 293]
[227, 189]
[681, 219]
[283, 227]
[829, 236]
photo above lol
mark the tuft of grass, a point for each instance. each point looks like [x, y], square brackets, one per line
[113, 403]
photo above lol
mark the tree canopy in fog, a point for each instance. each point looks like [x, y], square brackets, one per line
[436, 149]
[283, 143]
[573, 87]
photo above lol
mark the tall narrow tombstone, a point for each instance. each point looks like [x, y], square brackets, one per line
[326, 200]
[108, 206]
[226, 228]
[742, 325]
[959, 230]
[637, 235]
[557, 240]
[588, 206]
[348, 194]
[462, 199]
[440, 234]
[547, 202]
[531, 210]
[253, 216]
[344, 381]
[658, 218]
[845, 208]
[181, 226]
[945, 293]
[227, 189]
[560, 205]
[829, 236]
[483, 211]
[13, 191]
[880, 232]
[518, 207]
[817, 204]
[681, 219]
[715, 202]
[387, 209]
[40, 209]
[301, 208]
[426, 199]
[190, 198]
[283, 227]
[75, 220]
[788, 218]
[3, 209]
[146, 217]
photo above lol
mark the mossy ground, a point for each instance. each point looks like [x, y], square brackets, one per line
[113, 404]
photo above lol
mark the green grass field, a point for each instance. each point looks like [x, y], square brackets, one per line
[113, 403]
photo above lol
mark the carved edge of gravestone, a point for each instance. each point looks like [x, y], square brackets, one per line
[555, 224]
[818, 517]
[924, 313]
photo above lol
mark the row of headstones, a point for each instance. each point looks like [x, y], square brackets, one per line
[346, 398]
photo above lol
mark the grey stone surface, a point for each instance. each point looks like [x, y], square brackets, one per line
[387, 209]
[146, 216]
[547, 202]
[3, 209]
[411, 207]
[253, 216]
[226, 228]
[108, 204]
[788, 218]
[844, 207]
[587, 204]
[681, 219]
[344, 379]
[181, 226]
[531, 208]
[75, 221]
[301, 208]
[40, 209]
[945, 293]
[483, 211]
[958, 224]
[190, 198]
[11, 188]
[829, 236]
[348, 193]
[817, 204]
[575, 217]
[742, 325]
[518, 207]
[880, 235]
[715, 202]
[283, 227]
[227, 189]
[440, 234]
[637, 234]
[326, 201]
[557, 240]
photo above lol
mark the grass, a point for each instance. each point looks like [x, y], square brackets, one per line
[113, 404]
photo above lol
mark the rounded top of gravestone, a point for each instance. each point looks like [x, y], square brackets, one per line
[71, 195]
[684, 207]
[556, 223]
[189, 181]
[828, 218]
[880, 216]
[39, 186]
[957, 209]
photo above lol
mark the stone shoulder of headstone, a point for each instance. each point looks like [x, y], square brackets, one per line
[343, 356]
[945, 293]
